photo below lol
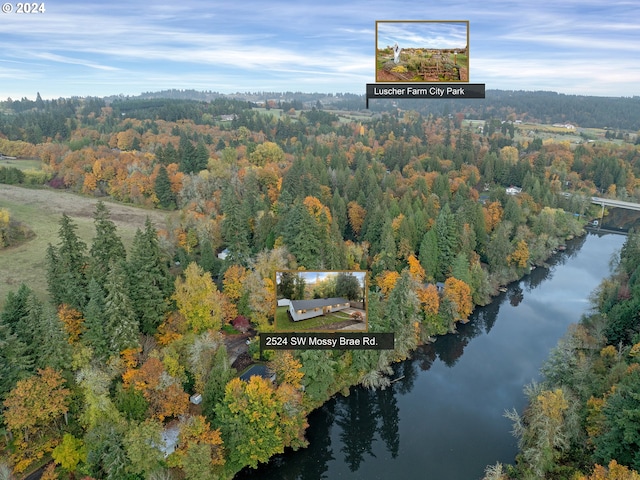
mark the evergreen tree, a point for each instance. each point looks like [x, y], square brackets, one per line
[347, 286]
[94, 335]
[15, 362]
[286, 285]
[53, 348]
[403, 312]
[170, 154]
[304, 238]
[208, 260]
[121, 323]
[106, 246]
[388, 250]
[460, 268]
[447, 237]
[221, 372]
[162, 187]
[235, 227]
[201, 157]
[66, 266]
[187, 155]
[15, 306]
[55, 286]
[149, 279]
[28, 325]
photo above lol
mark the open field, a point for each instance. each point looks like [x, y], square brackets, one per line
[276, 112]
[41, 211]
[22, 164]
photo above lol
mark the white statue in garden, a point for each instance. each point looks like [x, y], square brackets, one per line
[396, 53]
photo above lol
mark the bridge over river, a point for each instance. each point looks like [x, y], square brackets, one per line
[605, 202]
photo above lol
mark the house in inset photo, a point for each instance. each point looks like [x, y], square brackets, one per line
[321, 301]
[303, 309]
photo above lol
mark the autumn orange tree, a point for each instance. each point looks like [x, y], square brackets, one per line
[415, 269]
[459, 294]
[165, 395]
[492, 215]
[356, 215]
[72, 321]
[33, 410]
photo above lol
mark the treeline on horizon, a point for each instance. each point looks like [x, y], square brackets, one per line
[616, 113]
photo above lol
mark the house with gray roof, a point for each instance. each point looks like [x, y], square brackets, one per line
[304, 309]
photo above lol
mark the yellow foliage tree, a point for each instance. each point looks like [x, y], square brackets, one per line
[386, 281]
[198, 299]
[265, 153]
[614, 472]
[287, 368]
[316, 209]
[5, 217]
[520, 256]
[233, 282]
[509, 154]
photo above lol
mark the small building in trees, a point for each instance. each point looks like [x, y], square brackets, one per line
[223, 254]
[304, 309]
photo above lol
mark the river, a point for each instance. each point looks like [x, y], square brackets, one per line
[444, 419]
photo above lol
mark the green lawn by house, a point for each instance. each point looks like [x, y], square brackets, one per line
[323, 322]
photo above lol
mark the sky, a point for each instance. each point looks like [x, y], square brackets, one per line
[438, 35]
[98, 48]
[312, 277]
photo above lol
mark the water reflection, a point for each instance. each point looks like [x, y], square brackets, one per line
[444, 413]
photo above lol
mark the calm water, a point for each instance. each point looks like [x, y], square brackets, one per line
[444, 420]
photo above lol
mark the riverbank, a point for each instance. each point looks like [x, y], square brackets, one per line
[581, 420]
[446, 414]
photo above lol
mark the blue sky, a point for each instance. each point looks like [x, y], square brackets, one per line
[312, 277]
[440, 35]
[128, 46]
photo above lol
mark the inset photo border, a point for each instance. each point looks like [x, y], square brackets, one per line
[321, 301]
[422, 51]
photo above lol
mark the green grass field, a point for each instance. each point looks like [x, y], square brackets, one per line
[324, 322]
[28, 164]
[41, 211]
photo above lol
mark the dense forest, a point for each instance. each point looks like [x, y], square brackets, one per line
[129, 333]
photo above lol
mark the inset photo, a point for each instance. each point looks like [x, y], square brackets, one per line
[422, 51]
[321, 301]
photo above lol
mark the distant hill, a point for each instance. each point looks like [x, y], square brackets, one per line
[617, 113]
